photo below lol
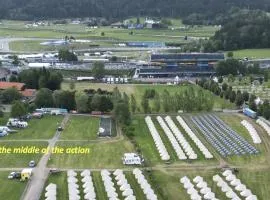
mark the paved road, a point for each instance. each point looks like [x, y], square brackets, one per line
[35, 185]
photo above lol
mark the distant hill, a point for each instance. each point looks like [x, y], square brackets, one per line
[111, 9]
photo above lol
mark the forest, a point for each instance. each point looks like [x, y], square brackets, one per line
[119, 9]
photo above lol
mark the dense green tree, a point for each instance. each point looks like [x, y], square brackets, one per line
[18, 109]
[9, 95]
[133, 103]
[122, 113]
[81, 102]
[156, 103]
[145, 105]
[245, 96]
[98, 70]
[44, 98]
[66, 55]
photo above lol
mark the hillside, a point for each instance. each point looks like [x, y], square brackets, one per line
[40, 9]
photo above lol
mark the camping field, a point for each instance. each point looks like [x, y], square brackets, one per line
[20, 160]
[38, 129]
[102, 153]
[81, 128]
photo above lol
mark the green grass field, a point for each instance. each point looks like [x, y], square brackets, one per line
[20, 160]
[252, 53]
[81, 128]
[10, 189]
[102, 154]
[37, 129]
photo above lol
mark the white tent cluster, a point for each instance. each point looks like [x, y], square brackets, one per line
[264, 125]
[238, 185]
[194, 138]
[204, 189]
[73, 187]
[252, 131]
[146, 187]
[156, 137]
[122, 182]
[50, 192]
[194, 194]
[225, 188]
[109, 185]
[88, 185]
[187, 148]
[180, 153]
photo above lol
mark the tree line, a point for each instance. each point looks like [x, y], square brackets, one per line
[51, 9]
[239, 98]
[187, 100]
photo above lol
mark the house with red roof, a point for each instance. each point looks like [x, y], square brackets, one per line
[26, 93]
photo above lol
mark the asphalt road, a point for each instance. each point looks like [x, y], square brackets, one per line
[35, 185]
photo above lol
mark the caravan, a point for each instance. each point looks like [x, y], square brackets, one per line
[132, 159]
[14, 122]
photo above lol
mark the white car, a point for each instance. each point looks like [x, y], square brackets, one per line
[11, 175]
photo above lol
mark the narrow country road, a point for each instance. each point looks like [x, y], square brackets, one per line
[35, 185]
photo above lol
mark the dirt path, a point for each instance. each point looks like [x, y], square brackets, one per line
[35, 185]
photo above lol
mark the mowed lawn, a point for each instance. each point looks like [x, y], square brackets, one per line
[168, 185]
[253, 161]
[81, 128]
[10, 189]
[37, 129]
[252, 53]
[20, 160]
[106, 154]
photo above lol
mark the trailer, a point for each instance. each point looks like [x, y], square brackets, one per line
[250, 113]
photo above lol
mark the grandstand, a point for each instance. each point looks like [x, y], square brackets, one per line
[182, 64]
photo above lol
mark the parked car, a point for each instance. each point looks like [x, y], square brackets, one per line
[11, 175]
[60, 128]
[38, 115]
[32, 163]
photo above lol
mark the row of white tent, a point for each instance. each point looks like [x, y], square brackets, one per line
[198, 191]
[264, 125]
[88, 185]
[73, 187]
[238, 185]
[109, 185]
[225, 188]
[181, 139]
[156, 137]
[252, 131]
[122, 182]
[194, 138]
[145, 186]
[180, 153]
[50, 193]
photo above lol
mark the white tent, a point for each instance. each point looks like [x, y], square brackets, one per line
[252, 197]
[71, 173]
[240, 187]
[246, 193]
[85, 172]
[202, 184]
[197, 179]
[227, 172]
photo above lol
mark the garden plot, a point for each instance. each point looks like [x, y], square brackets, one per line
[105, 127]
[226, 141]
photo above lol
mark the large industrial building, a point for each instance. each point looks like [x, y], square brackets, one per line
[182, 64]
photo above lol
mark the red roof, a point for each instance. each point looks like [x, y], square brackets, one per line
[29, 92]
[6, 85]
